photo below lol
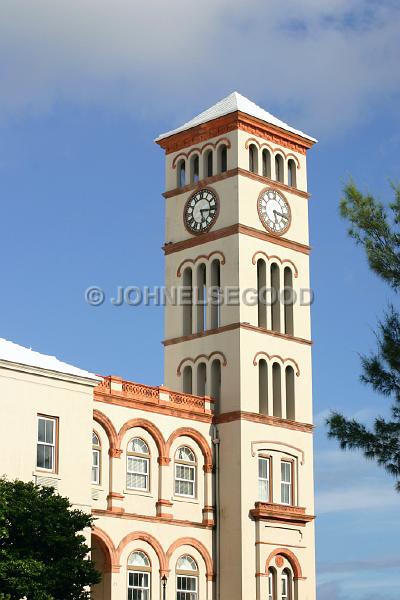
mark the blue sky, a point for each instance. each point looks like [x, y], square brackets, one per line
[86, 87]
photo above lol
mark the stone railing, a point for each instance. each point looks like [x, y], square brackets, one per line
[155, 395]
[280, 512]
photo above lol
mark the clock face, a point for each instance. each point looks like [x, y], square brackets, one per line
[201, 211]
[274, 211]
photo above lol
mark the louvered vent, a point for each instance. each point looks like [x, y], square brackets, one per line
[46, 481]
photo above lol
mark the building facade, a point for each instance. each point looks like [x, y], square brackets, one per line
[202, 488]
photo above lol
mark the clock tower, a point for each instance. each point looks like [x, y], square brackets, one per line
[238, 330]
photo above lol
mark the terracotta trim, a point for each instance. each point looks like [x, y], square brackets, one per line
[236, 229]
[264, 419]
[147, 426]
[259, 543]
[232, 326]
[109, 551]
[201, 149]
[276, 258]
[108, 427]
[290, 556]
[149, 539]
[272, 150]
[189, 541]
[235, 172]
[198, 357]
[254, 450]
[194, 435]
[147, 519]
[205, 257]
[236, 120]
[272, 356]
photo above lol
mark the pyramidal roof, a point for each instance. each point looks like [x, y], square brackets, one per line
[11, 352]
[232, 103]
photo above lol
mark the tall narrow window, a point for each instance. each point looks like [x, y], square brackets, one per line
[222, 158]
[291, 172]
[139, 576]
[96, 455]
[271, 584]
[253, 158]
[208, 163]
[288, 297]
[194, 169]
[286, 585]
[201, 298]
[138, 465]
[216, 383]
[263, 387]
[187, 384]
[187, 301]
[279, 168]
[46, 443]
[181, 173]
[264, 478]
[266, 163]
[290, 399]
[275, 298]
[262, 292]
[215, 295]
[185, 472]
[286, 482]
[187, 579]
[276, 389]
[201, 379]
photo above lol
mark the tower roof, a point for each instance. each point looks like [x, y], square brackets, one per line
[233, 103]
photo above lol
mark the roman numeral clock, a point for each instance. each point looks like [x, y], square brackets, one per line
[201, 211]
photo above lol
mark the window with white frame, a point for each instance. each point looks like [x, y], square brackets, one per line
[46, 443]
[187, 578]
[185, 472]
[264, 468]
[285, 586]
[96, 454]
[139, 576]
[137, 465]
[286, 482]
[271, 584]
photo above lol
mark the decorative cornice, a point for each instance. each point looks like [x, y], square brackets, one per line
[240, 415]
[295, 515]
[217, 234]
[148, 519]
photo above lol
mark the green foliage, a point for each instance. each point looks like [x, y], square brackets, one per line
[43, 554]
[377, 230]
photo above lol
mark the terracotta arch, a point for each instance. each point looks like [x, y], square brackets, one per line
[145, 537]
[197, 437]
[187, 541]
[108, 427]
[110, 552]
[294, 562]
[147, 426]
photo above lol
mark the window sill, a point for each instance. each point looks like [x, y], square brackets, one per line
[45, 473]
[185, 500]
[137, 493]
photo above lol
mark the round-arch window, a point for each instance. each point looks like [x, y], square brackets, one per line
[139, 576]
[187, 578]
[138, 465]
[185, 472]
[96, 456]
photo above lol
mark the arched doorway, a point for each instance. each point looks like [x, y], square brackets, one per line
[102, 559]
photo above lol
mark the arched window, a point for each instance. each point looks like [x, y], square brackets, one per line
[276, 390]
[275, 303]
[187, 384]
[215, 295]
[139, 576]
[266, 163]
[291, 172]
[288, 297]
[290, 401]
[263, 387]
[137, 465]
[262, 292]
[208, 163]
[187, 578]
[253, 158]
[271, 584]
[96, 458]
[187, 301]
[201, 379]
[222, 158]
[185, 472]
[279, 167]
[287, 585]
[201, 298]
[181, 172]
[216, 382]
[194, 169]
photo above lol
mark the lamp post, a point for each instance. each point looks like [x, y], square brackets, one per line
[164, 585]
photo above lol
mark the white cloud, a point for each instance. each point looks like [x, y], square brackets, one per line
[324, 65]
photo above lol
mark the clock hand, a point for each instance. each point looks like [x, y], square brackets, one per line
[202, 210]
[280, 215]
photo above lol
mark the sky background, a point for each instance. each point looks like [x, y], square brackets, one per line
[85, 88]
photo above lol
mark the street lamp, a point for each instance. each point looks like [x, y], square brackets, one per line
[164, 585]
